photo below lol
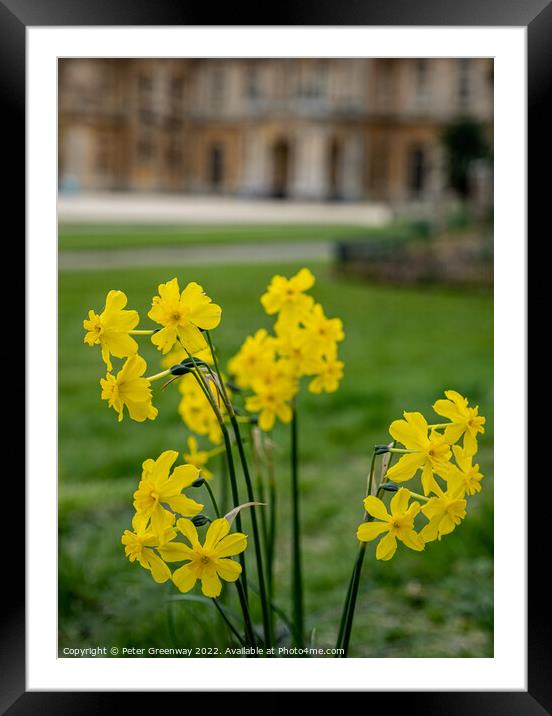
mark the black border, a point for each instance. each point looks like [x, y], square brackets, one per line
[536, 15]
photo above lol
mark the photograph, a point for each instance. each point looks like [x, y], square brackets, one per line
[275, 357]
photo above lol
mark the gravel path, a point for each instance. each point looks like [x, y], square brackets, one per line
[196, 255]
[145, 208]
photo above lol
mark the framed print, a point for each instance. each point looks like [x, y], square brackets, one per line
[276, 341]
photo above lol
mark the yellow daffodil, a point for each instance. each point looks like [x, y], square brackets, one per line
[111, 328]
[196, 411]
[139, 545]
[209, 562]
[271, 401]
[292, 344]
[464, 477]
[329, 372]
[444, 512]
[464, 420]
[182, 315]
[130, 388]
[157, 488]
[322, 333]
[399, 525]
[254, 356]
[286, 296]
[198, 458]
[430, 453]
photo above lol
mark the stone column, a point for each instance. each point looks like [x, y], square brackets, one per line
[255, 169]
[309, 163]
[352, 167]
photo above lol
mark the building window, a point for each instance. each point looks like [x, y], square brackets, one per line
[385, 84]
[216, 166]
[145, 83]
[421, 81]
[217, 86]
[144, 150]
[417, 170]
[252, 89]
[464, 82]
[102, 153]
[177, 89]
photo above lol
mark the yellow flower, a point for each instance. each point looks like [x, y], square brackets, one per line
[328, 374]
[399, 525]
[198, 458]
[429, 453]
[444, 513]
[254, 356]
[286, 296]
[111, 328]
[157, 488]
[322, 333]
[139, 543]
[182, 315]
[131, 389]
[292, 344]
[208, 562]
[464, 420]
[464, 477]
[196, 412]
[271, 400]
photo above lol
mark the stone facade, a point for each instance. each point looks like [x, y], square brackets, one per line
[319, 129]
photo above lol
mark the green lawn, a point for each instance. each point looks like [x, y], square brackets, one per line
[403, 347]
[85, 236]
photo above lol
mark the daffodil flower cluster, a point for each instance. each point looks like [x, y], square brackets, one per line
[182, 315]
[163, 514]
[447, 471]
[304, 343]
[268, 369]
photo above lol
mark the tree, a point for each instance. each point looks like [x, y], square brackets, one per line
[464, 141]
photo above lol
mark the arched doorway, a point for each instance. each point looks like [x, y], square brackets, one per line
[334, 159]
[417, 170]
[216, 167]
[280, 168]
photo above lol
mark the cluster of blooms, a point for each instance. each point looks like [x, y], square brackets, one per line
[429, 449]
[155, 526]
[304, 344]
[163, 511]
[181, 315]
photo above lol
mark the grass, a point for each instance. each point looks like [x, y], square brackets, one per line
[108, 237]
[403, 347]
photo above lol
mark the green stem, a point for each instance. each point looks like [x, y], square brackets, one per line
[352, 601]
[250, 634]
[345, 611]
[230, 460]
[223, 496]
[350, 598]
[213, 500]
[256, 536]
[297, 580]
[228, 623]
[272, 517]
[251, 497]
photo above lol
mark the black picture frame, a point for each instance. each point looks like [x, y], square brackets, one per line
[536, 16]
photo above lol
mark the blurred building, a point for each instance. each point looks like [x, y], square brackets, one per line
[300, 128]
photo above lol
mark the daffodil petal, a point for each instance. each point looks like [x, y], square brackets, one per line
[386, 548]
[368, 531]
[185, 577]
